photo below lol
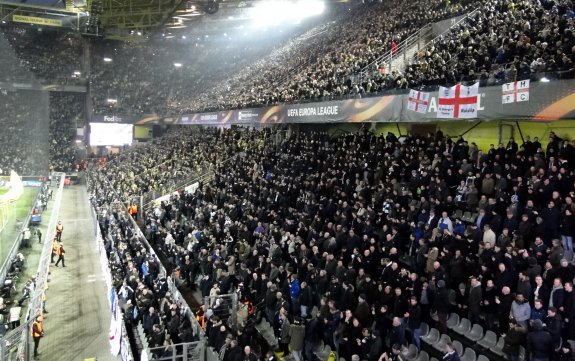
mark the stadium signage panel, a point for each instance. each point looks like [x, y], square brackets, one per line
[545, 101]
[36, 20]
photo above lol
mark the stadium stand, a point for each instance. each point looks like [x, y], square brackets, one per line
[375, 224]
[352, 244]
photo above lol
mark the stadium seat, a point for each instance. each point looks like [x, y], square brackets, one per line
[409, 352]
[498, 349]
[458, 213]
[488, 341]
[440, 345]
[423, 356]
[457, 346]
[572, 343]
[469, 355]
[433, 359]
[453, 321]
[432, 337]
[424, 328]
[522, 353]
[324, 353]
[467, 217]
[475, 334]
[482, 358]
[434, 316]
[463, 327]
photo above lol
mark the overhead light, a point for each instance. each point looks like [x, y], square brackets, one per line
[178, 65]
[112, 100]
[183, 37]
[77, 73]
[545, 80]
[78, 141]
[107, 60]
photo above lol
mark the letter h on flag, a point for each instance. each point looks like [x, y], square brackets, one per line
[417, 101]
[458, 102]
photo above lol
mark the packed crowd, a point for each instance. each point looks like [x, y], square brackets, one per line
[143, 292]
[43, 56]
[502, 42]
[24, 135]
[171, 161]
[368, 231]
[66, 114]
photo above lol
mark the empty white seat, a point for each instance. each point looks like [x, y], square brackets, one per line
[463, 327]
[440, 345]
[432, 337]
[488, 341]
[475, 334]
[423, 356]
[469, 355]
[458, 347]
[453, 321]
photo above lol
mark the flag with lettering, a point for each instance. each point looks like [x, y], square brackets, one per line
[458, 102]
[517, 91]
[417, 101]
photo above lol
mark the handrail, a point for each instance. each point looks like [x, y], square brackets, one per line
[448, 30]
[403, 45]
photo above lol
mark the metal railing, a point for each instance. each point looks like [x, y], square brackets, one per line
[449, 30]
[390, 55]
[18, 241]
[17, 344]
[179, 352]
[223, 306]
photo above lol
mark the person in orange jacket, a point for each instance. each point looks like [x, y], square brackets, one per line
[61, 253]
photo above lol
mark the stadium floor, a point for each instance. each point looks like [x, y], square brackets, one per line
[79, 318]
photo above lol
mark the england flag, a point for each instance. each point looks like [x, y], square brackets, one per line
[458, 102]
[417, 101]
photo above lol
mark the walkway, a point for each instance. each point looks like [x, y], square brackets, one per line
[78, 321]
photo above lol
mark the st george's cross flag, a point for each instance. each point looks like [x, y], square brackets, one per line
[458, 102]
[417, 101]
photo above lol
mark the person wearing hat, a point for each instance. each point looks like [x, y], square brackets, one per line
[514, 338]
[539, 344]
[565, 353]
[441, 306]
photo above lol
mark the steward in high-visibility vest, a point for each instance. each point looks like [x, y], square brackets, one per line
[55, 247]
[37, 333]
[59, 230]
[201, 317]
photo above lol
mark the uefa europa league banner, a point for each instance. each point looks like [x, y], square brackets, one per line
[521, 100]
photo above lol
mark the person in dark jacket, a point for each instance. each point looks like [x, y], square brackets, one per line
[504, 303]
[554, 325]
[450, 353]
[539, 344]
[363, 312]
[397, 332]
[441, 306]
[515, 337]
[413, 317]
[565, 353]
[474, 300]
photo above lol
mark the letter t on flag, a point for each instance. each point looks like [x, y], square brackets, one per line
[417, 101]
